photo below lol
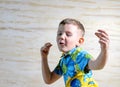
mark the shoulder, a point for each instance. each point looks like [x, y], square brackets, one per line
[85, 54]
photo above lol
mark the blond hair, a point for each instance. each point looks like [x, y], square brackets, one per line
[74, 22]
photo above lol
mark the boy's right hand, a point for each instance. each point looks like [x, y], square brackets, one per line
[45, 50]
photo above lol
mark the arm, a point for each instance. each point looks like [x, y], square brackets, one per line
[48, 76]
[100, 62]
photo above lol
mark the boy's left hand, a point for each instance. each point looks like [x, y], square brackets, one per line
[103, 39]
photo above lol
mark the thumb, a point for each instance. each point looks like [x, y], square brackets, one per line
[48, 45]
[45, 49]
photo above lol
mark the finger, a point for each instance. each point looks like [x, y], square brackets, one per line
[102, 38]
[102, 35]
[105, 40]
[98, 34]
[104, 44]
[48, 45]
[102, 31]
[43, 49]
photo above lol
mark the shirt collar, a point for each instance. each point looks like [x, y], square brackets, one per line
[70, 52]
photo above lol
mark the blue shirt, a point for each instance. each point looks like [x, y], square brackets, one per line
[72, 67]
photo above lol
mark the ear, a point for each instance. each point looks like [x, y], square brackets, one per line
[81, 40]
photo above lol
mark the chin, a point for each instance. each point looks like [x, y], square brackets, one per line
[64, 50]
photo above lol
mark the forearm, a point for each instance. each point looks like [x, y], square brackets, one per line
[100, 61]
[45, 70]
[48, 76]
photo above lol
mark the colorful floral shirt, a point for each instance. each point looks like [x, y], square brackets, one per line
[72, 67]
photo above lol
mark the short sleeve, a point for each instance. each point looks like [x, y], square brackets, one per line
[58, 69]
[83, 59]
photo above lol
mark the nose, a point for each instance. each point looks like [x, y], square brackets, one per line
[62, 36]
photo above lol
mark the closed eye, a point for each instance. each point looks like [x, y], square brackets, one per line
[59, 34]
[69, 34]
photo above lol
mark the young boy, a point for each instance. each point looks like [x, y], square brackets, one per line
[75, 63]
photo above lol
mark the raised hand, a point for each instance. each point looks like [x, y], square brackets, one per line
[103, 39]
[45, 49]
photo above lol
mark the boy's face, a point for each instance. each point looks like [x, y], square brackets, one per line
[68, 37]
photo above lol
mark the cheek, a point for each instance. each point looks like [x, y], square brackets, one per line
[56, 38]
[73, 41]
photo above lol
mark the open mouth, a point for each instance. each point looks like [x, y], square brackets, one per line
[62, 43]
